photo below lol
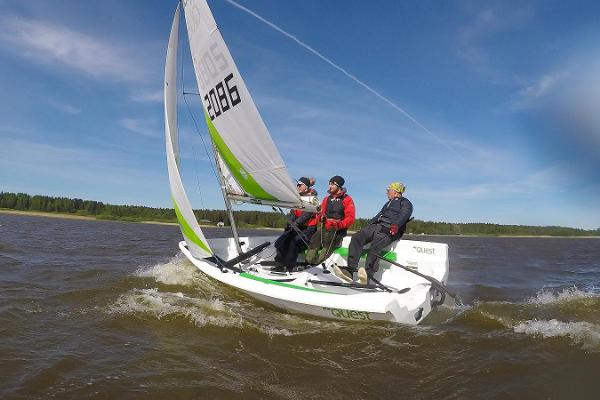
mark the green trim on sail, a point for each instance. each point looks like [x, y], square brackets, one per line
[187, 230]
[245, 180]
[272, 282]
[388, 255]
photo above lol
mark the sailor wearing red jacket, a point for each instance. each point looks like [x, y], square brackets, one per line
[337, 215]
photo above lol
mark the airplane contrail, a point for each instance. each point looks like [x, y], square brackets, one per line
[343, 71]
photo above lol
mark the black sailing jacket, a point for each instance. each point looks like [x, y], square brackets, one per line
[395, 212]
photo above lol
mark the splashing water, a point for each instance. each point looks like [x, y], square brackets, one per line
[569, 294]
[177, 271]
[163, 305]
[582, 333]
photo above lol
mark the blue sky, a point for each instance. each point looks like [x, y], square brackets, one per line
[506, 96]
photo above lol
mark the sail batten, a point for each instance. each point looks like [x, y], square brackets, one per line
[234, 123]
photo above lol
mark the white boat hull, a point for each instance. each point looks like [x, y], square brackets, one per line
[299, 292]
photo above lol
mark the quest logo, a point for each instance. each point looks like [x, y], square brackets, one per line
[424, 250]
[349, 314]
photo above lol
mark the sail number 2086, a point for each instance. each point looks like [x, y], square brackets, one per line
[221, 98]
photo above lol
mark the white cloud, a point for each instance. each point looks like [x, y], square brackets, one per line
[29, 154]
[94, 173]
[488, 23]
[546, 182]
[148, 97]
[52, 44]
[568, 98]
[530, 95]
[64, 107]
[140, 126]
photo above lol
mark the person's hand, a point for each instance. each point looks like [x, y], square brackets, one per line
[332, 224]
[393, 229]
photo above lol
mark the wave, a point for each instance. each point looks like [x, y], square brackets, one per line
[194, 297]
[545, 296]
[168, 305]
[205, 312]
[585, 334]
[571, 313]
[204, 302]
[176, 271]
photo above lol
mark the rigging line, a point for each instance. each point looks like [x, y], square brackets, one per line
[210, 161]
[180, 61]
[208, 157]
[345, 72]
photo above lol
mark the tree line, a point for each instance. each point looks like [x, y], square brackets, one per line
[100, 210]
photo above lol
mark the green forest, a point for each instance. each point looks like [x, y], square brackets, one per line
[262, 219]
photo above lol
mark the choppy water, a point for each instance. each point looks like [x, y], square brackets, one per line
[111, 310]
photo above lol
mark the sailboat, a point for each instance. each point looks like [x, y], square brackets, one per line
[411, 277]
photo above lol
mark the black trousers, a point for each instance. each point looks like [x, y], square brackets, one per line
[369, 234]
[290, 244]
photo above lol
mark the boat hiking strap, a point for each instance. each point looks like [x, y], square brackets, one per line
[230, 264]
[435, 283]
[358, 286]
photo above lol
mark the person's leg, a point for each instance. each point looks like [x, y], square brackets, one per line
[281, 245]
[358, 241]
[380, 241]
[331, 240]
[300, 243]
[313, 249]
[295, 245]
[308, 234]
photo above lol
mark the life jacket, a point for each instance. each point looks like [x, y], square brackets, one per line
[335, 207]
[340, 208]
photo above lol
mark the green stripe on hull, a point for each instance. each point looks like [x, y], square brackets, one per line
[272, 282]
[388, 255]
[187, 230]
[245, 180]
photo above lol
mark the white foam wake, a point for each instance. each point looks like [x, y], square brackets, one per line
[582, 333]
[569, 294]
[162, 305]
[177, 271]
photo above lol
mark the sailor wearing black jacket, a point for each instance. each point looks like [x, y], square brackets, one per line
[383, 229]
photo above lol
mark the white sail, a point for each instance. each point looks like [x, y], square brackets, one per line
[231, 185]
[234, 124]
[190, 229]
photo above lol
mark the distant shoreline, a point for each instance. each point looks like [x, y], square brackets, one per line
[91, 218]
[74, 216]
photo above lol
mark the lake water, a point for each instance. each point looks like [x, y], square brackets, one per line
[95, 309]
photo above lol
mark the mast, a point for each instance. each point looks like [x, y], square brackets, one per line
[236, 236]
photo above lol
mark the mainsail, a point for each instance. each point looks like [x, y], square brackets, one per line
[190, 229]
[250, 163]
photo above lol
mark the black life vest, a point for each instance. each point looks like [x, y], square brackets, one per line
[335, 207]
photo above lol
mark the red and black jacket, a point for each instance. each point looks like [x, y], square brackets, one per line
[338, 211]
